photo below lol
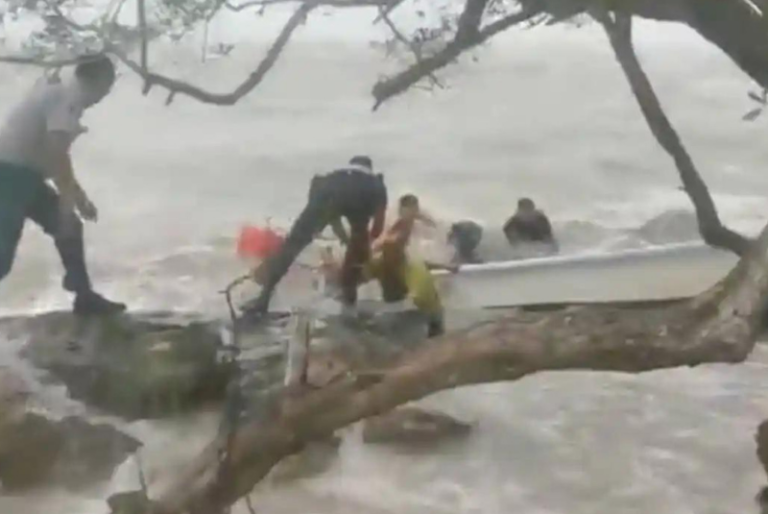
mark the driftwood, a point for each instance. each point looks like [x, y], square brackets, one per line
[721, 325]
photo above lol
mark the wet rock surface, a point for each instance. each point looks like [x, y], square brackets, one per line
[36, 450]
[413, 426]
[132, 366]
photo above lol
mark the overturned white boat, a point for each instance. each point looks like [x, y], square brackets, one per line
[659, 273]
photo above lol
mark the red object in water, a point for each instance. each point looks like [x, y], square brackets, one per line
[258, 242]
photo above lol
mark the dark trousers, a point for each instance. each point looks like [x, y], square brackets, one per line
[24, 195]
[321, 209]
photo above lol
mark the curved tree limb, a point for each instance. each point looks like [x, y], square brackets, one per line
[400, 83]
[470, 20]
[326, 3]
[711, 228]
[249, 84]
[738, 29]
[689, 333]
[390, 6]
[141, 16]
[415, 50]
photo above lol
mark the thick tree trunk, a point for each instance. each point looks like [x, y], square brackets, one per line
[470, 20]
[721, 326]
[711, 228]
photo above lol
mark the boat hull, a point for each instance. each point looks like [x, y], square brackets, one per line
[667, 272]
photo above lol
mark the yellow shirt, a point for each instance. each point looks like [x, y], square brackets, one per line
[417, 278]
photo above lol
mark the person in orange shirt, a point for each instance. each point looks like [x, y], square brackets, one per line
[399, 275]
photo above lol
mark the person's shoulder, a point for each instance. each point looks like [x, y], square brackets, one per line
[57, 95]
[49, 89]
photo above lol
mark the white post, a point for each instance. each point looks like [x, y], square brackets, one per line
[298, 349]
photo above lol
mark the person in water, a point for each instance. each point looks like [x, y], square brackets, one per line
[465, 236]
[529, 225]
[399, 275]
[353, 192]
[35, 145]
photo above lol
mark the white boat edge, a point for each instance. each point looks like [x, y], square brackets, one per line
[658, 273]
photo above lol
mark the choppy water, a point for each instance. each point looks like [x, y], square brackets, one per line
[546, 115]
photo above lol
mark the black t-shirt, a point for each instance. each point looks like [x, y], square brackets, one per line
[534, 229]
[353, 193]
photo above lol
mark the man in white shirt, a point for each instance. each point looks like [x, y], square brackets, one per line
[35, 152]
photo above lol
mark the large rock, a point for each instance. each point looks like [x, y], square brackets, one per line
[136, 367]
[36, 450]
[413, 426]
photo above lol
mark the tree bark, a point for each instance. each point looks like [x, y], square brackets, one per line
[737, 29]
[719, 326]
[711, 228]
[470, 20]
[400, 83]
[734, 26]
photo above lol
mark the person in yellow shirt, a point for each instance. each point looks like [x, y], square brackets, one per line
[399, 275]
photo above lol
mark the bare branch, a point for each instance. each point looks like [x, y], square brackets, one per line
[390, 6]
[393, 86]
[67, 20]
[470, 19]
[714, 233]
[141, 16]
[40, 62]
[254, 79]
[322, 3]
[383, 15]
[117, 11]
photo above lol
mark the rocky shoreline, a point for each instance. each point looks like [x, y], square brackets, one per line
[160, 365]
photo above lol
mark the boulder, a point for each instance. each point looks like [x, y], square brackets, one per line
[413, 426]
[36, 450]
[130, 366]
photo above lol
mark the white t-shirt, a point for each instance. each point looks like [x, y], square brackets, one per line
[50, 107]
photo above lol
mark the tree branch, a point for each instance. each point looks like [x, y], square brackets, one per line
[737, 29]
[141, 16]
[383, 15]
[254, 79]
[470, 20]
[39, 61]
[711, 228]
[322, 3]
[602, 338]
[390, 6]
[393, 86]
